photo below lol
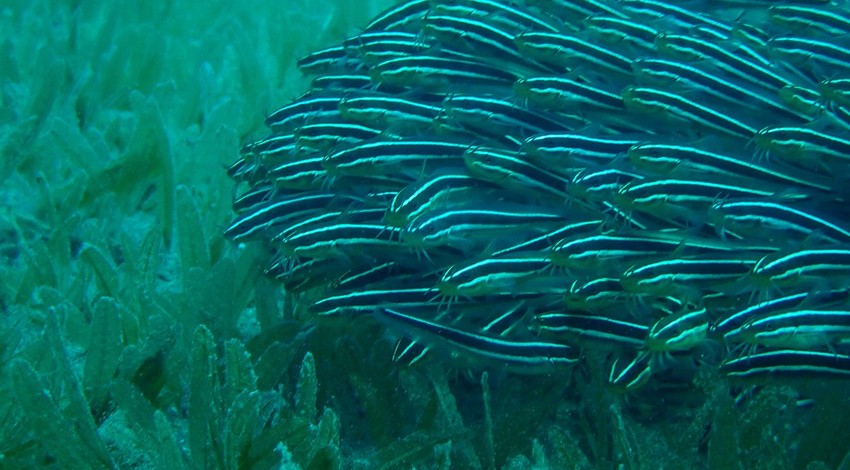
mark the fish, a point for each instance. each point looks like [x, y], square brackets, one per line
[643, 187]
[366, 301]
[598, 252]
[804, 329]
[429, 194]
[775, 222]
[679, 332]
[817, 266]
[265, 216]
[513, 274]
[688, 200]
[514, 172]
[459, 225]
[688, 48]
[329, 60]
[487, 115]
[585, 329]
[341, 239]
[389, 111]
[543, 243]
[563, 147]
[684, 275]
[568, 52]
[787, 364]
[375, 47]
[441, 74]
[521, 356]
[676, 108]
[470, 35]
[679, 161]
[621, 30]
[565, 94]
[504, 14]
[659, 9]
[384, 156]
[595, 294]
[821, 60]
[808, 148]
[309, 108]
[807, 19]
[836, 90]
[404, 16]
[629, 375]
[727, 327]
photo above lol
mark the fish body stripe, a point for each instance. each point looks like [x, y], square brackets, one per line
[569, 51]
[570, 144]
[489, 111]
[439, 72]
[804, 18]
[594, 327]
[616, 30]
[787, 363]
[678, 332]
[495, 11]
[815, 262]
[513, 352]
[801, 329]
[504, 168]
[303, 110]
[780, 217]
[699, 49]
[400, 16]
[276, 212]
[566, 93]
[643, 99]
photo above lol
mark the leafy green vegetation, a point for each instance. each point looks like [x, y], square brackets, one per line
[134, 336]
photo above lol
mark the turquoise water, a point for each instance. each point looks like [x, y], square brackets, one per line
[134, 335]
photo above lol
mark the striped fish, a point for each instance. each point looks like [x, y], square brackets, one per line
[343, 239]
[678, 332]
[568, 52]
[441, 74]
[430, 194]
[513, 172]
[519, 356]
[806, 19]
[808, 148]
[728, 325]
[685, 275]
[772, 221]
[513, 274]
[565, 94]
[584, 329]
[264, 217]
[787, 364]
[740, 66]
[388, 156]
[823, 266]
[404, 16]
[387, 111]
[795, 329]
[563, 147]
[672, 107]
[461, 226]
[598, 252]
[679, 161]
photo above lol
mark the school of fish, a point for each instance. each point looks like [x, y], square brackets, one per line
[521, 182]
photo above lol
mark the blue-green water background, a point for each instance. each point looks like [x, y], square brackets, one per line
[134, 336]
